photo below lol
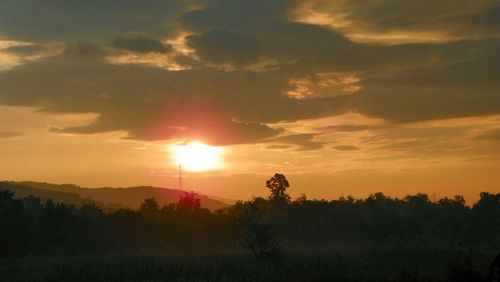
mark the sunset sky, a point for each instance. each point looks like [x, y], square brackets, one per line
[343, 97]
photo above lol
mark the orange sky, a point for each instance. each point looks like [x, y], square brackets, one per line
[343, 97]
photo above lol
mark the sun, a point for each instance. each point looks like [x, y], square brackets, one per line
[196, 156]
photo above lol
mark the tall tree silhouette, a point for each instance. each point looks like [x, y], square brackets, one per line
[278, 185]
[150, 204]
[189, 202]
[13, 224]
[256, 230]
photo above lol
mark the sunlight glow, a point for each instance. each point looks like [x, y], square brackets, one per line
[196, 156]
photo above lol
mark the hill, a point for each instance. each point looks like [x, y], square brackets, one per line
[107, 197]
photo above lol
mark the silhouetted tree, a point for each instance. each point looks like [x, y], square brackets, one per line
[486, 214]
[31, 226]
[256, 231]
[150, 209]
[457, 202]
[378, 199]
[9, 205]
[13, 224]
[278, 185]
[189, 202]
[149, 204]
[301, 199]
[93, 210]
[418, 200]
[489, 202]
[495, 270]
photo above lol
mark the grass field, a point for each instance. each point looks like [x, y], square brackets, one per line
[374, 265]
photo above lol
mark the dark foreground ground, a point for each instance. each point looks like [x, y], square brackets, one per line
[374, 265]
[374, 239]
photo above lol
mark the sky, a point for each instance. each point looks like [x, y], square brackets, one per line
[343, 97]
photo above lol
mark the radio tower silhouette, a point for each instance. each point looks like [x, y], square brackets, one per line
[180, 177]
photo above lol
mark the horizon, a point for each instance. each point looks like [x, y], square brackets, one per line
[433, 197]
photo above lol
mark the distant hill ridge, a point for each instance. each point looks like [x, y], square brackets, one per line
[107, 197]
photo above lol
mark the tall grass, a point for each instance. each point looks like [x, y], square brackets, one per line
[374, 265]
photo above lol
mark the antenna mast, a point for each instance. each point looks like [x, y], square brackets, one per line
[180, 177]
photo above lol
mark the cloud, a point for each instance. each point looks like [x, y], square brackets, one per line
[140, 44]
[10, 134]
[236, 14]
[26, 50]
[302, 142]
[456, 89]
[220, 46]
[345, 148]
[14, 53]
[493, 135]
[349, 127]
[310, 70]
[92, 20]
[83, 49]
[310, 48]
[396, 22]
[279, 147]
[323, 85]
[135, 98]
[266, 22]
[188, 61]
[148, 103]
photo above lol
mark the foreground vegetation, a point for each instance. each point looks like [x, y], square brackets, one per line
[276, 239]
[374, 265]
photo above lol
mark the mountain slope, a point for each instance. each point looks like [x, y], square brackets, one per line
[22, 191]
[110, 198]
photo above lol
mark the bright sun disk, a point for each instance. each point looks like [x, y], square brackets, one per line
[196, 156]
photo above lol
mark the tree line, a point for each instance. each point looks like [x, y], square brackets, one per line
[260, 226]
